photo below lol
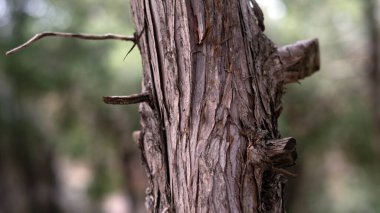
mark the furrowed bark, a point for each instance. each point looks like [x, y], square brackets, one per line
[209, 139]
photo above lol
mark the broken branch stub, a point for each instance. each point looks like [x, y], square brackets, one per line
[130, 99]
[282, 152]
[300, 60]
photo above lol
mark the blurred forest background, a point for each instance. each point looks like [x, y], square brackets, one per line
[63, 150]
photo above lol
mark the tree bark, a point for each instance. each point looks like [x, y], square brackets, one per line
[209, 138]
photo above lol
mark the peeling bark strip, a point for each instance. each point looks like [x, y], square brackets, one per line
[210, 140]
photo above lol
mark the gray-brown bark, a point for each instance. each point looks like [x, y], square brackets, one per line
[209, 137]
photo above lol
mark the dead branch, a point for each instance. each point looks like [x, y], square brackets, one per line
[39, 36]
[125, 100]
[137, 37]
[300, 59]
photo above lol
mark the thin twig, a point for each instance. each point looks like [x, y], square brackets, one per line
[39, 36]
[137, 38]
[124, 100]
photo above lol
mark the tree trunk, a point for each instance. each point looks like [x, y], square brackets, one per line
[209, 137]
[374, 65]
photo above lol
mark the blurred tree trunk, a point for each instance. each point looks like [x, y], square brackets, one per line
[209, 137]
[371, 12]
[27, 163]
[27, 167]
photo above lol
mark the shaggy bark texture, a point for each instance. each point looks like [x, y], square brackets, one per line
[209, 138]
